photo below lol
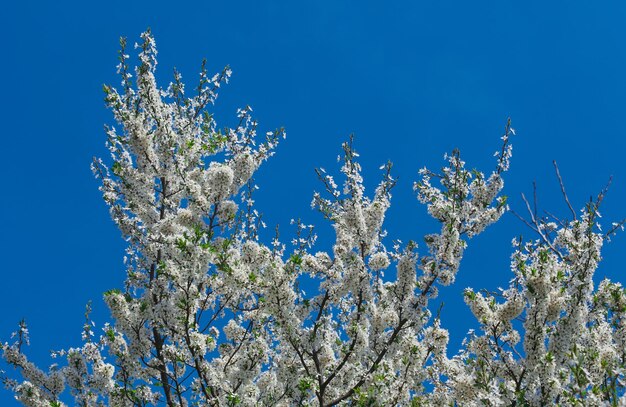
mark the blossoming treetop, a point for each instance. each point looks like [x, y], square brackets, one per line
[212, 316]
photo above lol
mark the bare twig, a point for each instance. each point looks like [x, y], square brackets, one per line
[556, 219]
[603, 192]
[613, 230]
[558, 175]
[535, 200]
[535, 225]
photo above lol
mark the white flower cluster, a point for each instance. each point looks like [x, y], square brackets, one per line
[572, 336]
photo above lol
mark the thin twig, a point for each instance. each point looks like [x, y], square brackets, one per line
[556, 219]
[603, 192]
[613, 230]
[558, 175]
[535, 199]
[523, 220]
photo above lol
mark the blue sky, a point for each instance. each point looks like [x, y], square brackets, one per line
[411, 79]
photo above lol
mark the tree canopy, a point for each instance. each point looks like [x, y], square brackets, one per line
[212, 315]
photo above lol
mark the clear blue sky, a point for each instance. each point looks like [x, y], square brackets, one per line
[411, 79]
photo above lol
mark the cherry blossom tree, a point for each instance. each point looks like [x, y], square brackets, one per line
[550, 338]
[210, 315]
